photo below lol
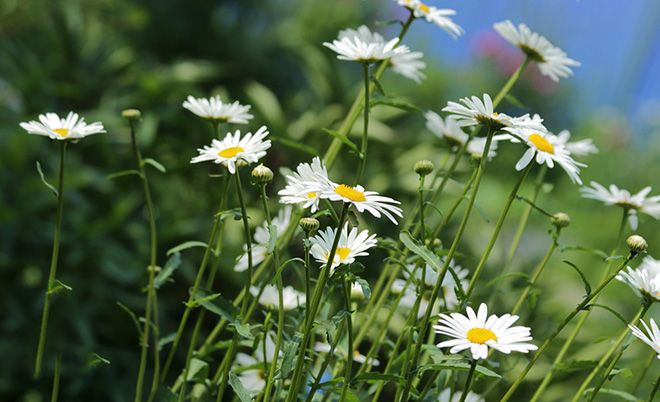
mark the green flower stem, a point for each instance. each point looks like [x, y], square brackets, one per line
[365, 132]
[308, 282]
[422, 227]
[313, 307]
[280, 301]
[349, 330]
[45, 313]
[520, 230]
[325, 363]
[56, 379]
[468, 381]
[405, 331]
[537, 272]
[509, 84]
[645, 368]
[425, 323]
[498, 227]
[655, 390]
[616, 346]
[354, 111]
[588, 299]
[583, 318]
[454, 207]
[151, 304]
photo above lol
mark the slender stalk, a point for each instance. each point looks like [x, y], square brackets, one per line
[468, 382]
[316, 298]
[324, 364]
[498, 227]
[509, 84]
[655, 390]
[45, 313]
[561, 326]
[454, 207]
[606, 357]
[151, 290]
[365, 131]
[56, 379]
[421, 209]
[647, 364]
[349, 330]
[308, 282]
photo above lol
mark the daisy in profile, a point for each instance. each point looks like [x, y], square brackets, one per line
[653, 337]
[434, 15]
[545, 148]
[409, 65]
[479, 332]
[303, 186]
[351, 244]
[578, 148]
[363, 200]
[446, 129]
[651, 265]
[261, 238]
[552, 61]
[473, 111]
[72, 127]
[644, 282]
[214, 109]
[358, 357]
[448, 396]
[270, 297]
[632, 203]
[364, 46]
[233, 151]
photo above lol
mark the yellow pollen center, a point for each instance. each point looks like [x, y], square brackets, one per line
[481, 335]
[342, 252]
[541, 143]
[230, 152]
[424, 8]
[350, 193]
[496, 115]
[62, 132]
[311, 194]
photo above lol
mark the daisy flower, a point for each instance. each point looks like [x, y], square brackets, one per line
[358, 357]
[261, 238]
[270, 297]
[233, 151]
[473, 111]
[476, 147]
[447, 129]
[448, 396]
[653, 337]
[434, 15]
[214, 109]
[479, 332]
[351, 244]
[644, 282]
[552, 61]
[254, 378]
[72, 127]
[544, 148]
[304, 184]
[632, 203]
[409, 65]
[364, 46]
[370, 201]
[651, 265]
[578, 148]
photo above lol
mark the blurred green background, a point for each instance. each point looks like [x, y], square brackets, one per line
[99, 57]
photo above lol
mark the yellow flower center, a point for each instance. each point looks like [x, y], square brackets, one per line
[230, 152]
[350, 193]
[342, 252]
[424, 8]
[62, 132]
[496, 115]
[541, 143]
[481, 335]
[311, 194]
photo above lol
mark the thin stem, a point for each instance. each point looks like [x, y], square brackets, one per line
[316, 298]
[45, 313]
[325, 363]
[56, 379]
[647, 364]
[349, 330]
[655, 390]
[561, 326]
[498, 227]
[365, 131]
[454, 207]
[468, 382]
[421, 209]
[509, 84]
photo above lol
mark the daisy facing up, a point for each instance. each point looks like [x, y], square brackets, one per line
[433, 15]
[234, 151]
[364, 46]
[653, 337]
[363, 200]
[71, 127]
[631, 203]
[351, 244]
[304, 185]
[480, 332]
[215, 109]
[552, 61]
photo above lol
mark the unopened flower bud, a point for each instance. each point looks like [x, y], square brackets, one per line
[637, 244]
[261, 174]
[561, 220]
[131, 114]
[309, 225]
[423, 167]
[356, 292]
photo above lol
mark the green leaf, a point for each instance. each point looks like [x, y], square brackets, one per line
[377, 86]
[587, 286]
[380, 377]
[94, 360]
[290, 353]
[243, 330]
[272, 238]
[186, 245]
[622, 372]
[198, 370]
[341, 137]
[123, 173]
[615, 392]
[396, 103]
[59, 286]
[365, 287]
[575, 365]
[154, 163]
[422, 251]
[610, 309]
[220, 306]
[458, 366]
[238, 388]
[43, 180]
[166, 340]
[287, 142]
[171, 265]
[202, 297]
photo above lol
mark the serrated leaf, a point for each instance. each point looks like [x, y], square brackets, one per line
[44, 181]
[123, 173]
[396, 103]
[240, 391]
[186, 245]
[94, 360]
[343, 138]
[171, 265]
[154, 163]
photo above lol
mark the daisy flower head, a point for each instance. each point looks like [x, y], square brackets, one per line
[632, 203]
[351, 244]
[479, 332]
[473, 111]
[651, 265]
[261, 239]
[448, 396]
[552, 61]
[234, 151]
[651, 337]
[445, 128]
[270, 297]
[215, 109]
[644, 282]
[364, 46]
[545, 148]
[305, 185]
[578, 148]
[71, 127]
[409, 65]
[477, 146]
[363, 200]
[434, 15]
